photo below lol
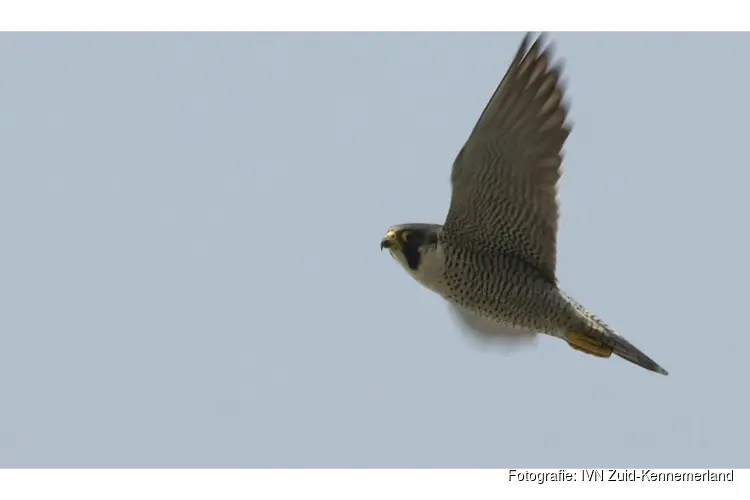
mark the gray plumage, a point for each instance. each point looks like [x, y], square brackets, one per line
[494, 258]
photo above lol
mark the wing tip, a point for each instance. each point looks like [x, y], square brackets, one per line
[542, 43]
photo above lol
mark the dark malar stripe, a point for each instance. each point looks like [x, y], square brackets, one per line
[412, 257]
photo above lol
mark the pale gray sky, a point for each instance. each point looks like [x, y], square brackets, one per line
[189, 231]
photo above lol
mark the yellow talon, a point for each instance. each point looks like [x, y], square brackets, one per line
[584, 343]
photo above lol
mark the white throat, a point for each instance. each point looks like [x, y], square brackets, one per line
[430, 270]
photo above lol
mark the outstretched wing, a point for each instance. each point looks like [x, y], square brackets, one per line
[505, 177]
[486, 333]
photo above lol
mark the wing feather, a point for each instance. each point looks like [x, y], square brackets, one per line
[487, 333]
[504, 179]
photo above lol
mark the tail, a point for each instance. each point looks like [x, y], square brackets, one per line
[598, 339]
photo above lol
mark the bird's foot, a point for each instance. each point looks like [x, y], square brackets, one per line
[584, 343]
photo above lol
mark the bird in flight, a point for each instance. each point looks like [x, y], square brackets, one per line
[494, 258]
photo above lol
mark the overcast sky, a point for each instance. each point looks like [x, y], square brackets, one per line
[191, 276]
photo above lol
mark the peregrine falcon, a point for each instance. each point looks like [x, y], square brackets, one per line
[493, 260]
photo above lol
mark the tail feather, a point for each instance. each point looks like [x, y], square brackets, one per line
[598, 333]
[602, 342]
[629, 352]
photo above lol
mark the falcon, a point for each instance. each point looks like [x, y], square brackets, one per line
[494, 258]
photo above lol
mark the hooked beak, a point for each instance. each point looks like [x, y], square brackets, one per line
[389, 240]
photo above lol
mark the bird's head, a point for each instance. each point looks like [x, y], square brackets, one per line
[408, 243]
